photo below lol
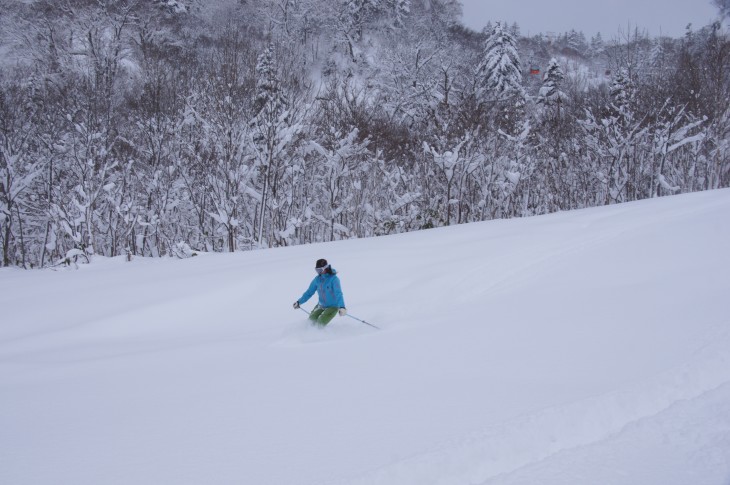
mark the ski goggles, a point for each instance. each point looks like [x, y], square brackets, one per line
[321, 269]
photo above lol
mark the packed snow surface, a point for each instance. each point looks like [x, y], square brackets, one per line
[590, 346]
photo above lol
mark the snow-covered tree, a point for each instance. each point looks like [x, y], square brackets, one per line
[716, 172]
[340, 158]
[621, 90]
[550, 93]
[500, 70]
[275, 132]
[676, 133]
[360, 12]
[576, 42]
[454, 165]
[597, 46]
[18, 168]
[173, 6]
[268, 85]
[399, 11]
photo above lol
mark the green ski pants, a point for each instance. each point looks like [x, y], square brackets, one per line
[323, 316]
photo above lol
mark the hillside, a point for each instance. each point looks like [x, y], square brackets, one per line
[156, 127]
[588, 346]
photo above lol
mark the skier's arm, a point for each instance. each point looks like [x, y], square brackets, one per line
[310, 291]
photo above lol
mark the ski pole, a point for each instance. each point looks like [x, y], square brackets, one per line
[347, 314]
[363, 321]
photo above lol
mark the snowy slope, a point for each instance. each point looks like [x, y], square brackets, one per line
[581, 347]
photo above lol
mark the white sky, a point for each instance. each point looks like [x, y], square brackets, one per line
[670, 17]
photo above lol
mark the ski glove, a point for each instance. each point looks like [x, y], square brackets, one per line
[296, 304]
[343, 312]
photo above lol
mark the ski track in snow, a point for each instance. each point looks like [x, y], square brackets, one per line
[673, 445]
[582, 347]
[516, 451]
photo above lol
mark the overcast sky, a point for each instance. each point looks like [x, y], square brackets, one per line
[591, 16]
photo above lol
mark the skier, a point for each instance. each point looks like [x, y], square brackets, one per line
[327, 286]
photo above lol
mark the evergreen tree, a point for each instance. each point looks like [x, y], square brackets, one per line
[550, 93]
[576, 41]
[268, 95]
[597, 46]
[500, 69]
[621, 90]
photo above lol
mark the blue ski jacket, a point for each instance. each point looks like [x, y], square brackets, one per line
[328, 289]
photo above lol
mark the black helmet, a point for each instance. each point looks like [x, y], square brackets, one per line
[322, 267]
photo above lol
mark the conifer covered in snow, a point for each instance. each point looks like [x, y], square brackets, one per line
[500, 68]
[550, 93]
[621, 89]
